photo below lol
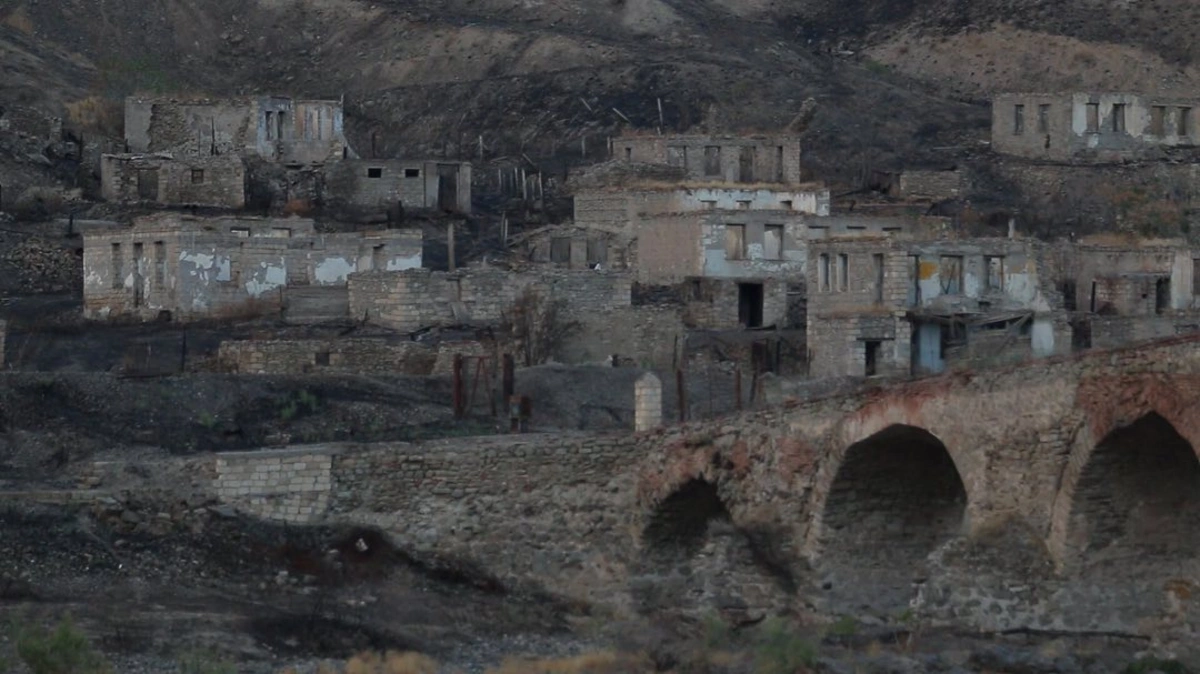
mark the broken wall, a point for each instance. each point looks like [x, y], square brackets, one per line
[179, 266]
[302, 356]
[741, 159]
[209, 181]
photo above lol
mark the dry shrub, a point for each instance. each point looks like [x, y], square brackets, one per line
[96, 114]
[297, 207]
[19, 20]
[588, 663]
[391, 663]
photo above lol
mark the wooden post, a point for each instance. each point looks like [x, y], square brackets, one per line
[450, 244]
[681, 393]
[508, 377]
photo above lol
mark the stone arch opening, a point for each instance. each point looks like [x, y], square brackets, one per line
[1138, 496]
[695, 559]
[896, 497]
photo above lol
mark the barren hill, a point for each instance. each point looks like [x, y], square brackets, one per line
[893, 79]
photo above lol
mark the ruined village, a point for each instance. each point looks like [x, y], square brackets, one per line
[684, 381]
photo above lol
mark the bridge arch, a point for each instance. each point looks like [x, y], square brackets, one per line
[1131, 488]
[890, 499]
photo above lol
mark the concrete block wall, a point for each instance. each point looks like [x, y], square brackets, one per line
[284, 485]
[414, 183]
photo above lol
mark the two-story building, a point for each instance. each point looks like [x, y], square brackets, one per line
[892, 305]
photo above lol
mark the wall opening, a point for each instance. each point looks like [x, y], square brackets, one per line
[1183, 127]
[896, 497]
[197, 176]
[746, 164]
[139, 254]
[160, 263]
[735, 242]
[750, 305]
[877, 263]
[1043, 118]
[871, 350]
[823, 272]
[1093, 117]
[448, 187]
[712, 160]
[779, 164]
[1138, 496]
[412, 173]
[1018, 119]
[681, 521]
[843, 272]
[147, 184]
[374, 172]
[1158, 120]
[1118, 118]
[773, 242]
[117, 266]
[1162, 295]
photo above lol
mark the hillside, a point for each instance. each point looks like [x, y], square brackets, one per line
[898, 82]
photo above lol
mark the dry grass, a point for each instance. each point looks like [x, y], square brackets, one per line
[96, 114]
[391, 663]
[19, 20]
[589, 663]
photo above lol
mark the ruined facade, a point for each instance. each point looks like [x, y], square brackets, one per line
[163, 180]
[898, 306]
[597, 307]
[1122, 294]
[277, 129]
[223, 267]
[374, 185]
[1091, 127]
[731, 159]
[618, 208]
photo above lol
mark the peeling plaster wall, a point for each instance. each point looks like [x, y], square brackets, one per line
[196, 268]
[1068, 136]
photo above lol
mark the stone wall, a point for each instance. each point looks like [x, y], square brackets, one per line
[741, 159]
[353, 355]
[216, 181]
[196, 267]
[932, 185]
[414, 299]
[1004, 479]
[1101, 127]
[378, 185]
[620, 209]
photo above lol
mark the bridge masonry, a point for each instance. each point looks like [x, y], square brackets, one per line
[1054, 495]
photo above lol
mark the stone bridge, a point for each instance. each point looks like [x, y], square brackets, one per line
[1058, 495]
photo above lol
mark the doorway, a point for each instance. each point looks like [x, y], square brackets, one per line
[746, 164]
[871, 350]
[1162, 295]
[448, 187]
[750, 305]
[147, 184]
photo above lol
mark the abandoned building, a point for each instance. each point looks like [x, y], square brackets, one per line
[1122, 294]
[730, 159]
[621, 208]
[1091, 127]
[377, 185]
[593, 310]
[892, 305]
[161, 179]
[190, 268]
[277, 129]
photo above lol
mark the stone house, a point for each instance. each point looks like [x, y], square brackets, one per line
[193, 268]
[378, 185]
[163, 180]
[276, 129]
[1091, 127]
[718, 158]
[892, 305]
[1122, 293]
[597, 303]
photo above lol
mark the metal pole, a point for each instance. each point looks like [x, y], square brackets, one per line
[681, 394]
[737, 388]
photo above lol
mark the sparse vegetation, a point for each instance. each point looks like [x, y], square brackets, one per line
[62, 650]
[1152, 664]
[200, 662]
[536, 325]
[781, 650]
[845, 626]
[391, 663]
[297, 405]
[588, 663]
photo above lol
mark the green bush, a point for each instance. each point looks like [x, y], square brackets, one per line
[63, 650]
[845, 626]
[781, 651]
